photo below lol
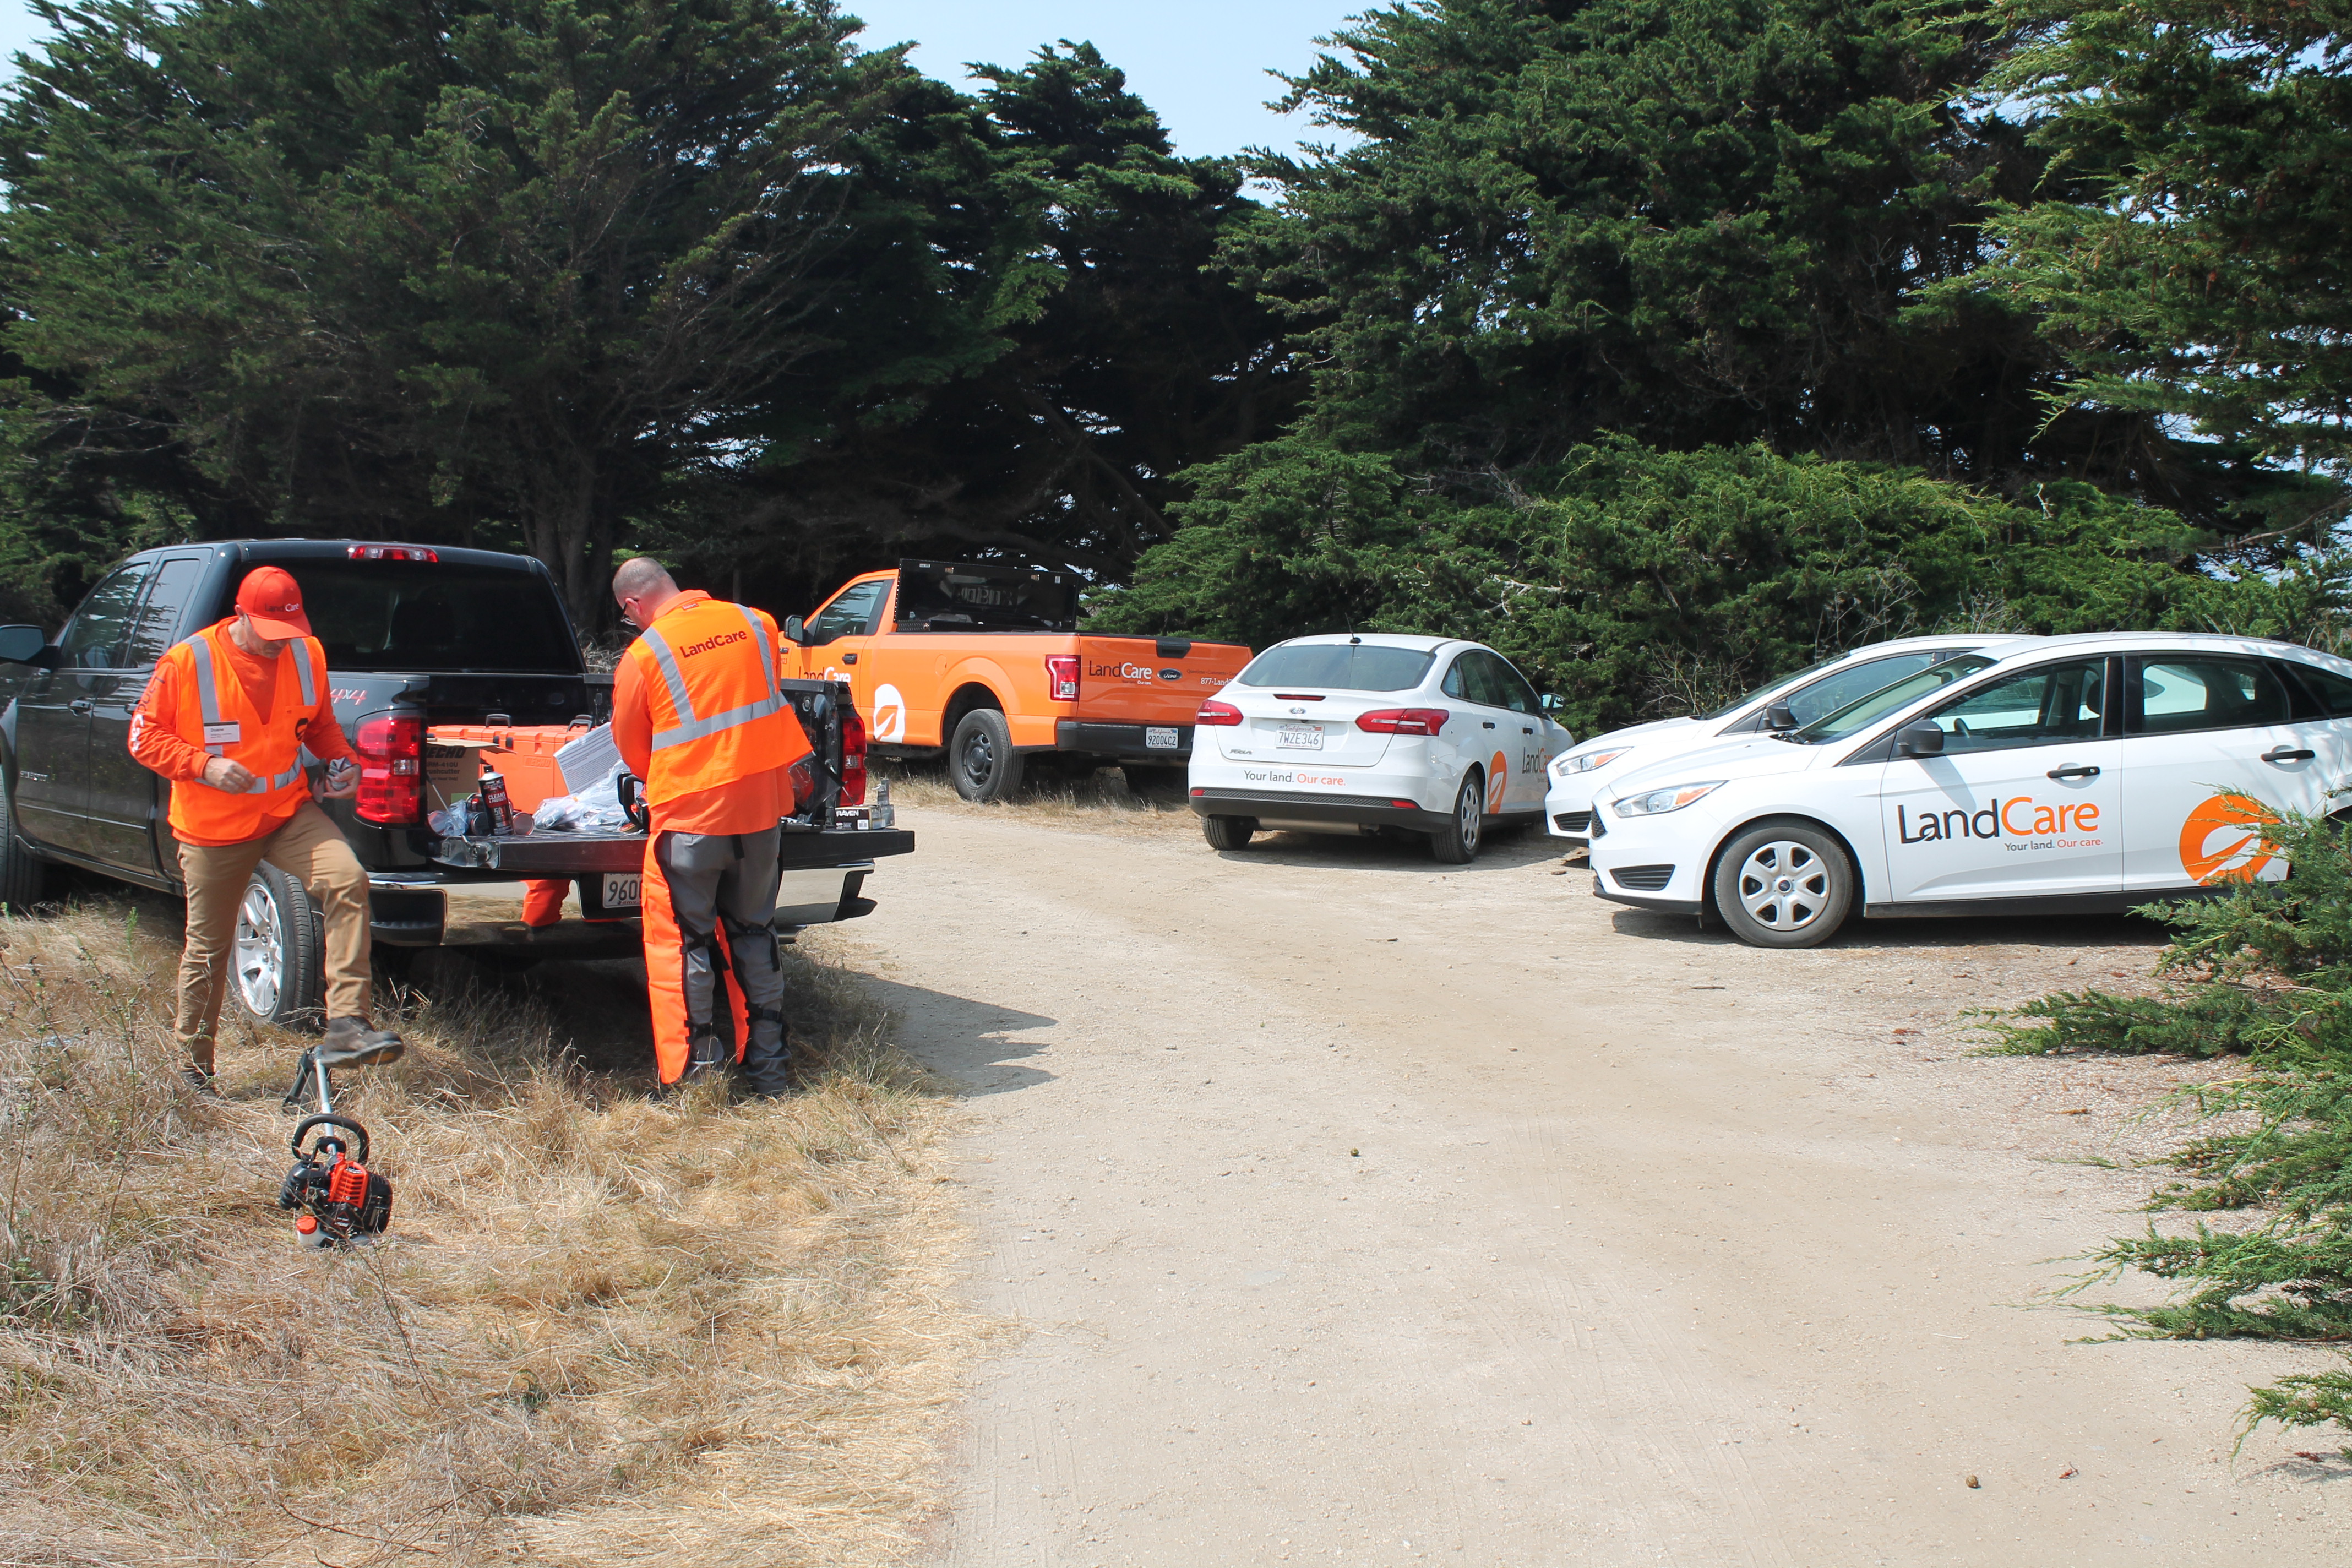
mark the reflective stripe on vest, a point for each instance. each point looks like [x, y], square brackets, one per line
[208, 698]
[692, 726]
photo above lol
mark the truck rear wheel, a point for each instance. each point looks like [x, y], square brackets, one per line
[1228, 832]
[22, 873]
[980, 758]
[278, 956]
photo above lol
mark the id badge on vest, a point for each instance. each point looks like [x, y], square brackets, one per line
[229, 734]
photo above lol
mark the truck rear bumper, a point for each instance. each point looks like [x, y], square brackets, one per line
[1128, 742]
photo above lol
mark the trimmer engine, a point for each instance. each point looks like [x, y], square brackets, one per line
[337, 1196]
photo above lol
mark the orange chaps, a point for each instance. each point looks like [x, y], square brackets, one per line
[707, 938]
[542, 902]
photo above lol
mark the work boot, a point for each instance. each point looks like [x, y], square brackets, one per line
[202, 1081]
[351, 1042]
[705, 1056]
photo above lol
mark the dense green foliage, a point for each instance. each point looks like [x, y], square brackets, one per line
[1635, 582]
[2197, 269]
[577, 275]
[2265, 970]
[1644, 349]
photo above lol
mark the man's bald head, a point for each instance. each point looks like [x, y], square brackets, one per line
[642, 587]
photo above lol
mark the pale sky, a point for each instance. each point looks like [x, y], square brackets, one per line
[1203, 65]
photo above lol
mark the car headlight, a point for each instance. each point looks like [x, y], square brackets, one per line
[1584, 763]
[1674, 798]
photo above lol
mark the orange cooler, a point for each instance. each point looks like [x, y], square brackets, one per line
[524, 755]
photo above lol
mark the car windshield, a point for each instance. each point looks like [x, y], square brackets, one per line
[1866, 710]
[1337, 667]
[1769, 687]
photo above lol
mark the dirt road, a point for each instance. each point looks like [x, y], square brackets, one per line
[1361, 1210]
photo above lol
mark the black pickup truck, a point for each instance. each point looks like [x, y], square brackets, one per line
[414, 637]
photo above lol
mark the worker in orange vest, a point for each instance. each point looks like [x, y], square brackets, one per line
[226, 718]
[698, 716]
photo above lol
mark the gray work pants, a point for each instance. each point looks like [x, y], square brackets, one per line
[730, 880]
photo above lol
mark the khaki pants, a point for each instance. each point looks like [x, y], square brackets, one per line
[309, 846]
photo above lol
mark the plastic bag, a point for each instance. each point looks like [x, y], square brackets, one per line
[596, 809]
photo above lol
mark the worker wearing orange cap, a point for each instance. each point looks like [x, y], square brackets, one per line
[226, 718]
[698, 716]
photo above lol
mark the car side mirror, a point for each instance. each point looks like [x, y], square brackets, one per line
[1920, 740]
[26, 645]
[1552, 702]
[1779, 716]
[795, 631]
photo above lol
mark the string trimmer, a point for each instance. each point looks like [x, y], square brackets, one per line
[338, 1196]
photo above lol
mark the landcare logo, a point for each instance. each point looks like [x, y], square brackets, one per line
[2020, 816]
[1499, 776]
[707, 643]
[889, 714]
[2222, 839]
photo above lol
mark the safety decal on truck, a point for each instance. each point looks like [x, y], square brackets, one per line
[2222, 839]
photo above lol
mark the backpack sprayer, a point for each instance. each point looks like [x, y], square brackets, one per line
[337, 1196]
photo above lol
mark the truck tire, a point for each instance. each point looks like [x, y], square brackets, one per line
[1228, 832]
[980, 758]
[278, 956]
[1456, 843]
[22, 873]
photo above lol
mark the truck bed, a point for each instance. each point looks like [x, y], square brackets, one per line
[568, 855]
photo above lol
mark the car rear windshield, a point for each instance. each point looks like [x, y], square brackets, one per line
[1337, 667]
[433, 617]
[1865, 711]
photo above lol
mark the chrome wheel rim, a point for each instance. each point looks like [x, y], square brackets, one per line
[1784, 885]
[1465, 812]
[260, 956]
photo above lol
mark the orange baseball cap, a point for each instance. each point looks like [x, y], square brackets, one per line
[271, 596]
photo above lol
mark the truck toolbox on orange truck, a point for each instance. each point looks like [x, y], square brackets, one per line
[986, 663]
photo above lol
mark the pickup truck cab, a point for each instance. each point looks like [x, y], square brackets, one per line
[986, 663]
[415, 637]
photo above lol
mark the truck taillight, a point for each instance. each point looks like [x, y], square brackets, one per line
[391, 749]
[852, 756]
[1062, 676]
[1404, 720]
[1214, 712]
[392, 552]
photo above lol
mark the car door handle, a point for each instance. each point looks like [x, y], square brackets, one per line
[2075, 771]
[849, 659]
[1486, 723]
[2288, 754]
[80, 705]
[1525, 730]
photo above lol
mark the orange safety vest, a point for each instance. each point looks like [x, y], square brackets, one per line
[223, 722]
[717, 712]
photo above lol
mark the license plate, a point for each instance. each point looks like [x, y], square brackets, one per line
[623, 891]
[1300, 737]
[1159, 739]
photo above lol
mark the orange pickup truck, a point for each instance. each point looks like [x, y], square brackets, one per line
[988, 663]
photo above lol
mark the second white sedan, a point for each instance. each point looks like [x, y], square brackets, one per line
[1348, 733]
[1788, 703]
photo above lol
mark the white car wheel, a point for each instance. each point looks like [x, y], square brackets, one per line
[1784, 884]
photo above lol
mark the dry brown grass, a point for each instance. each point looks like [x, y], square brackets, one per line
[602, 1328]
[1098, 804]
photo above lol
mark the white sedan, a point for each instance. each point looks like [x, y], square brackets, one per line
[2076, 774]
[1578, 775]
[1345, 733]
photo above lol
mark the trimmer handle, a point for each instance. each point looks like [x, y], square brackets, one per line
[358, 1154]
[633, 802]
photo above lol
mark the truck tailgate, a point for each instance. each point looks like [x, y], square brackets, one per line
[566, 854]
[1147, 681]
